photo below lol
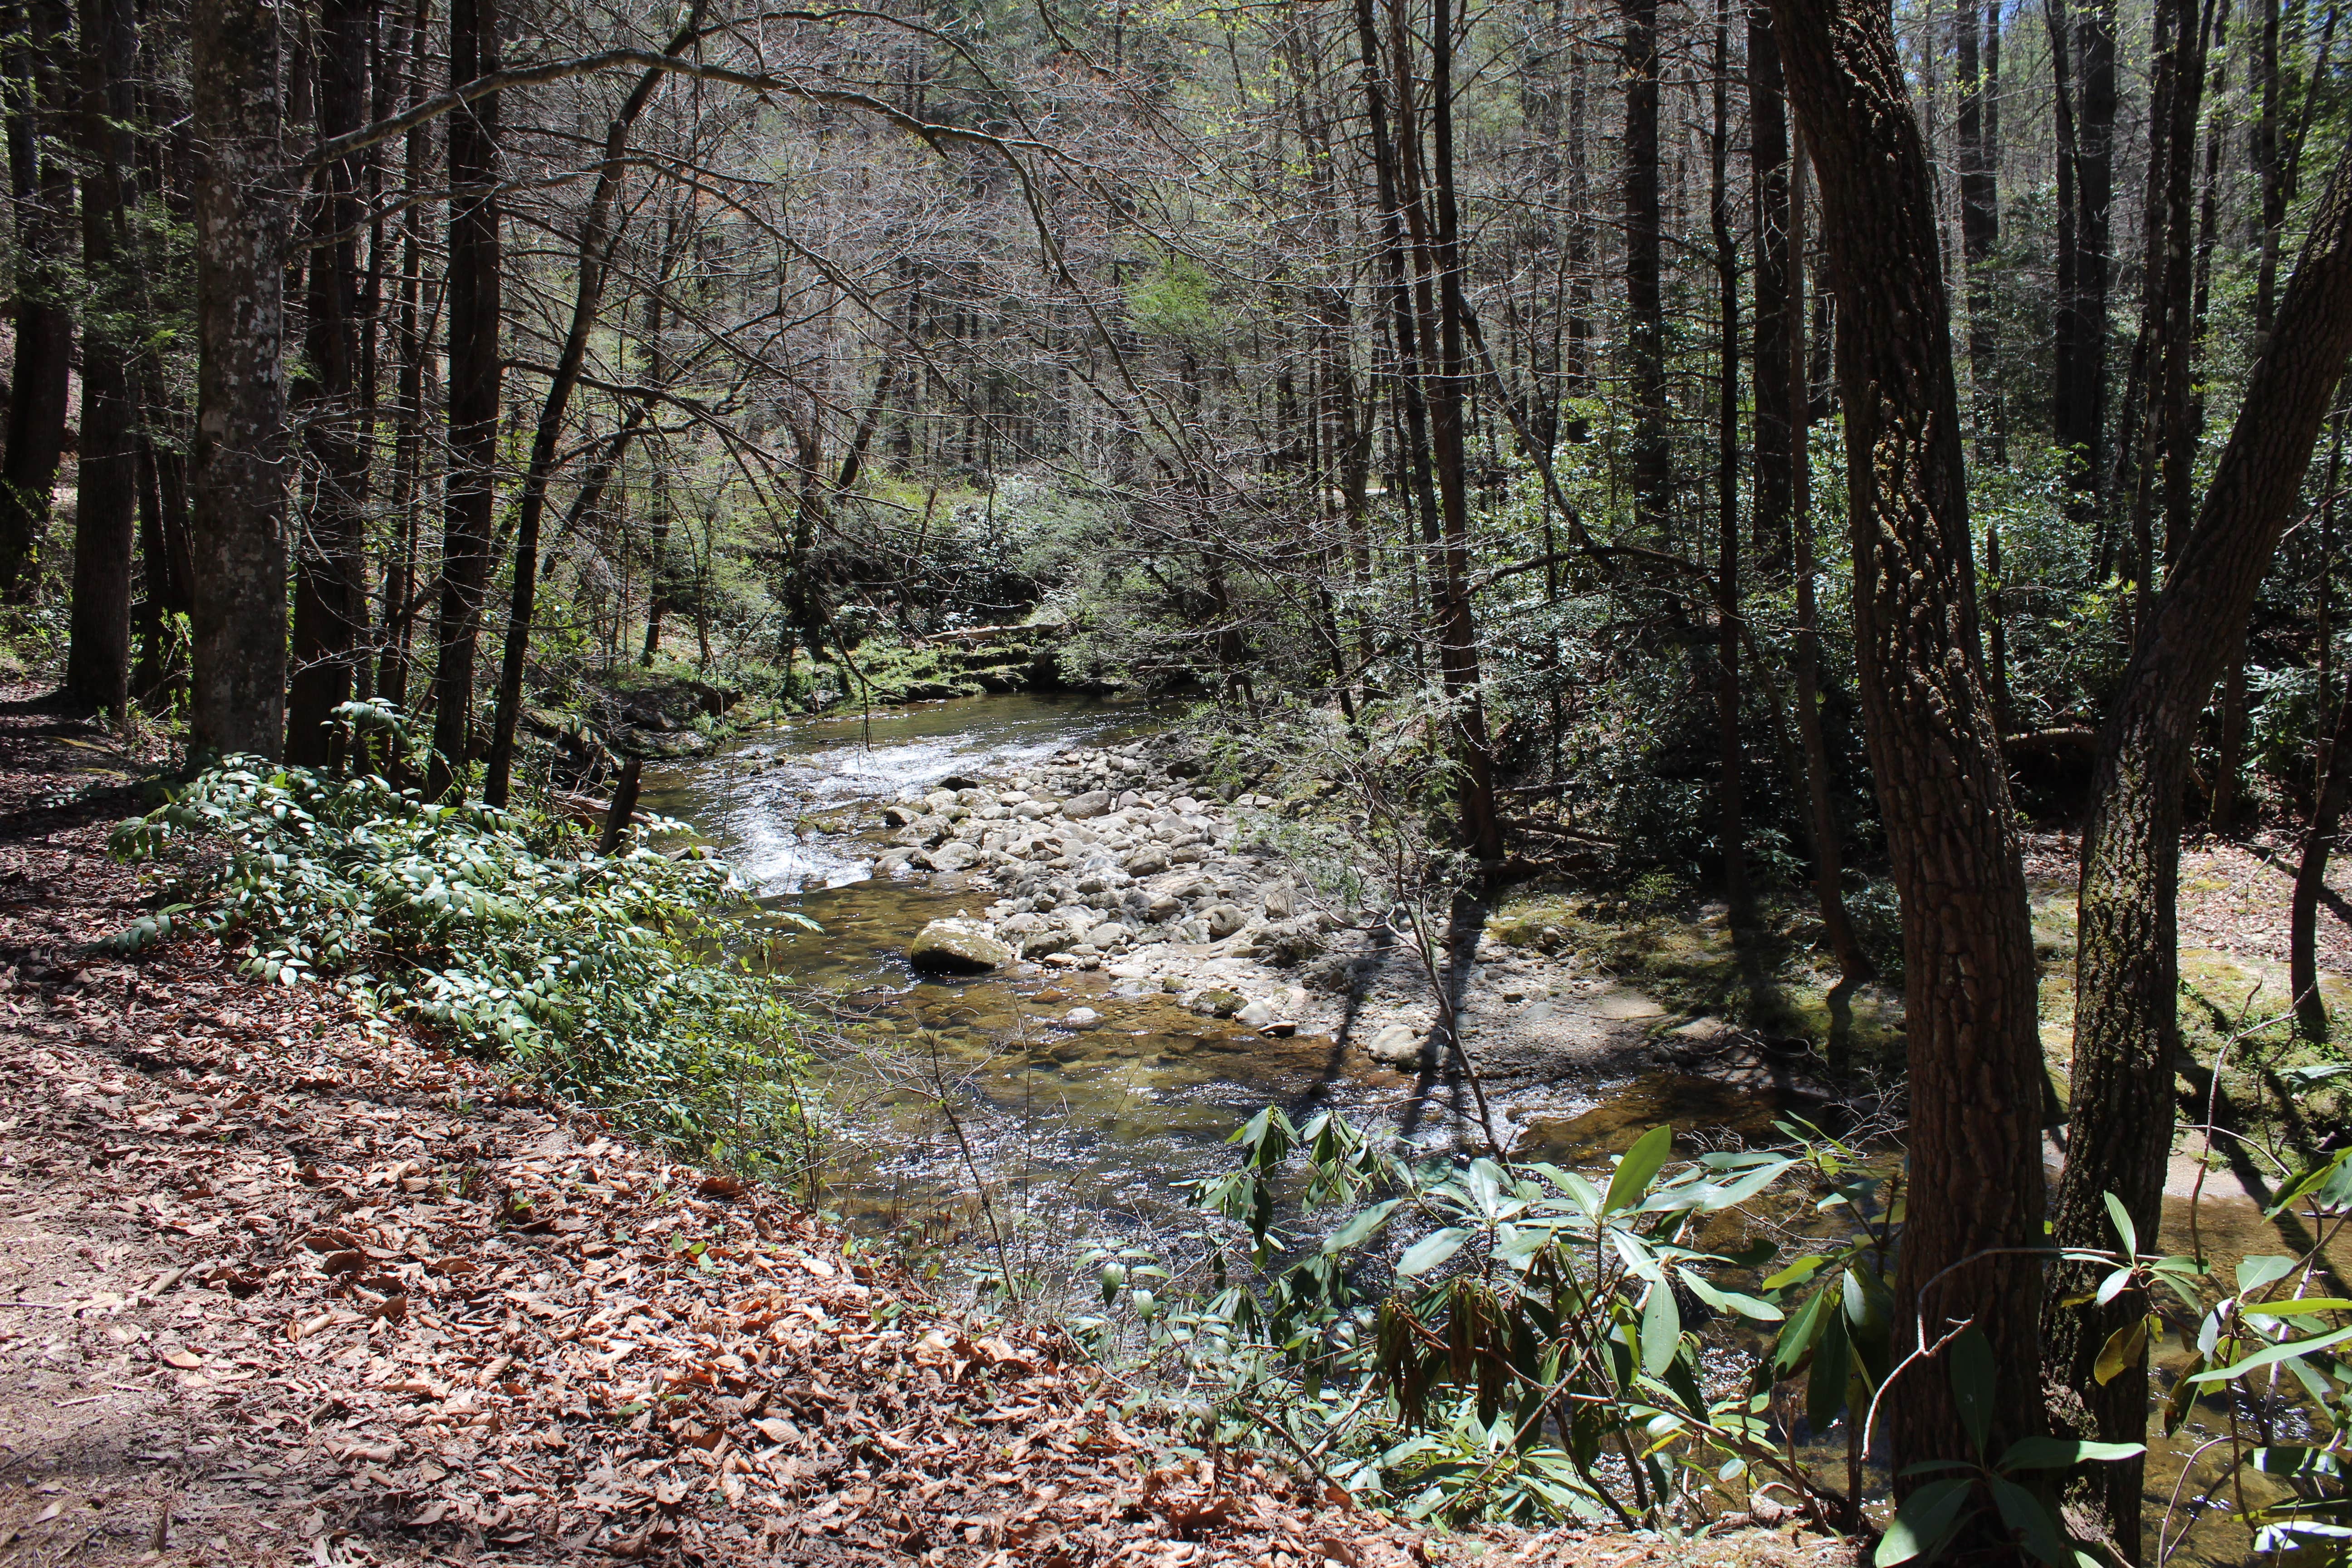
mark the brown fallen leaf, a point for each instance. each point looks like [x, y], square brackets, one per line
[184, 1360]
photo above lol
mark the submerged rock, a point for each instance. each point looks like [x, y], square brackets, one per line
[956, 947]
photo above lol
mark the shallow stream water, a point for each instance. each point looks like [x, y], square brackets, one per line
[1098, 1128]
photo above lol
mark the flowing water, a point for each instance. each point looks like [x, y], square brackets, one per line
[1093, 1128]
[1088, 1125]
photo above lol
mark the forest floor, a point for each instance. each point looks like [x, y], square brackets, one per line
[277, 1283]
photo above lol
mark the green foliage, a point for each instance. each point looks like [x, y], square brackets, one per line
[1487, 1341]
[509, 933]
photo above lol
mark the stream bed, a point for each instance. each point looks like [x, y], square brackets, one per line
[1096, 1129]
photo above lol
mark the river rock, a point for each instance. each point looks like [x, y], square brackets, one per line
[953, 856]
[1397, 1045]
[1047, 943]
[1257, 1015]
[1217, 1003]
[1222, 921]
[956, 947]
[1080, 1017]
[1147, 861]
[901, 816]
[891, 862]
[1080, 807]
[1033, 810]
[1108, 935]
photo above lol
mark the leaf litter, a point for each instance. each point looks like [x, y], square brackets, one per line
[284, 1286]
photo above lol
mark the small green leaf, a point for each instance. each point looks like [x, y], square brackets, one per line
[2060, 1453]
[1361, 1229]
[1432, 1249]
[1974, 1374]
[1924, 1522]
[2121, 1218]
[2031, 1518]
[1662, 1330]
[1638, 1168]
[2291, 1348]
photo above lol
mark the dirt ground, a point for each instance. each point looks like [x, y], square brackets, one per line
[278, 1284]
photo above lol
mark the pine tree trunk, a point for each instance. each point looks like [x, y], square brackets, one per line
[1828, 840]
[474, 380]
[1776, 417]
[2311, 874]
[1649, 456]
[1731, 824]
[98, 661]
[2127, 1025]
[237, 483]
[43, 180]
[330, 561]
[1975, 1067]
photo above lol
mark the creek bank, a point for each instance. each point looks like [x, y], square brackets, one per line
[1115, 862]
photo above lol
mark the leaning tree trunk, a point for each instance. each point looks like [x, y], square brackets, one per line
[237, 476]
[1969, 991]
[2126, 1024]
[590, 265]
[98, 660]
[474, 378]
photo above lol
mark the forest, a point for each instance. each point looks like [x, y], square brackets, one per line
[1817, 462]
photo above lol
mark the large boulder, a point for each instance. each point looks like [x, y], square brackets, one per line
[956, 947]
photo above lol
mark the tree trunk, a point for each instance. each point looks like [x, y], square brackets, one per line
[1731, 826]
[1980, 159]
[590, 264]
[236, 478]
[1457, 631]
[1777, 453]
[2311, 874]
[98, 663]
[473, 380]
[408, 399]
[1975, 1080]
[1650, 456]
[43, 180]
[1828, 841]
[2080, 397]
[329, 558]
[2127, 1033]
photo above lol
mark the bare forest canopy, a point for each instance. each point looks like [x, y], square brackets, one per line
[1753, 441]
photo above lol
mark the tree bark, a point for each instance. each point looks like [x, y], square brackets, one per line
[98, 661]
[473, 380]
[1980, 213]
[1731, 825]
[43, 180]
[1828, 840]
[2311, 874]
[1650, 458]
[237, 480]
[591, 262]
[408, 399]
[1777, 452]
[329, 558]
[1975, 1082]
[2126, 1026]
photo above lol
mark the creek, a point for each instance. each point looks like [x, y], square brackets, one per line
[1095, 1128]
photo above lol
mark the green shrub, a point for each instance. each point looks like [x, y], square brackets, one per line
[606, 974]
